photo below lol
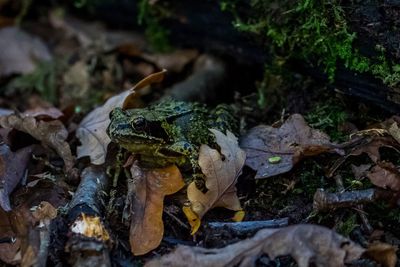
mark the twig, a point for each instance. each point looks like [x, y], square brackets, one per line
[327, 201]
[247, 227]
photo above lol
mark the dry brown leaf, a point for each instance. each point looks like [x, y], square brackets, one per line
[92, 129]
[382, 253]
[221, 171]
[20, 51]
[305, 243]
[12, 169]
[289, 143]
[385, 175]
[148, 189]
[51, 133]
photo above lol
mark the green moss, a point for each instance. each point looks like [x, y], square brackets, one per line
[328, 117]
[150, 15]
[313, 31]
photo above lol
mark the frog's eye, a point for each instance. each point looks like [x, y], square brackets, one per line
[139, 123]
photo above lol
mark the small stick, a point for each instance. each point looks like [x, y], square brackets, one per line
[327, 201]
[243, 228]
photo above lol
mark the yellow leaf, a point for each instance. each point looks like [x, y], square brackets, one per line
[239, 216]
[193, 219]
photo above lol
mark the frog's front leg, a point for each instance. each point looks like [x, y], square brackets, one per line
[192, 155]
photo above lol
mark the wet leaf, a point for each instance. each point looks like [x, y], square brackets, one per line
[385, 175]
[12, 169]
[51, 133]
[221, 171]
[305, 243]
[148, 189]
[291, 142]
[92, 129]
[20, 51]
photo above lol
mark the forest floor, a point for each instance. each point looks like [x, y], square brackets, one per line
[309, 176]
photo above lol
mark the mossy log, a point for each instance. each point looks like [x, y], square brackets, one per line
[354, 46]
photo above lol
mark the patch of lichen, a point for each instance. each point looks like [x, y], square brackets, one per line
[313, 31]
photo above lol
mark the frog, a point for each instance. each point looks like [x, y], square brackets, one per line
[169, 132]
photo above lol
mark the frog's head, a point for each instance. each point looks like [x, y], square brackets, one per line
[134, 129]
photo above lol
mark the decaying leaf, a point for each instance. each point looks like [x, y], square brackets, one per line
[20, 51]
[385, 175]
[291, 142]
[221, 171]
[305, 243]
[92, 129]
[12, 169]
[51, 133]
[148, 189]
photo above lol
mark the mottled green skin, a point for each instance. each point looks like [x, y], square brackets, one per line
[169, 132]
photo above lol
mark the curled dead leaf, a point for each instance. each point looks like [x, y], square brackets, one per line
[51, 133]
[291, 142]
[147, 191]
[221, 171]
[305, 243]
